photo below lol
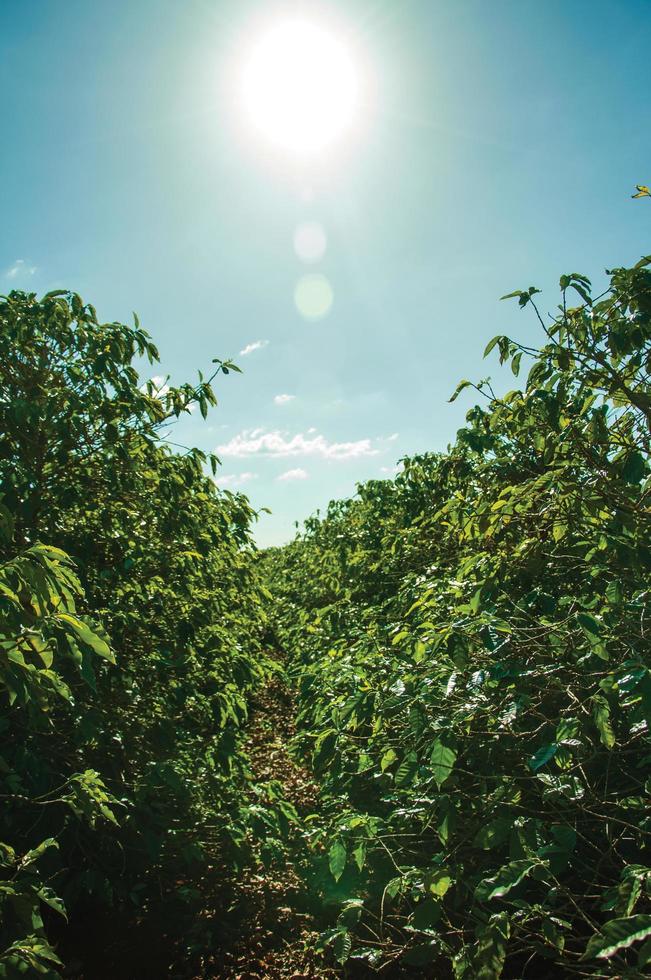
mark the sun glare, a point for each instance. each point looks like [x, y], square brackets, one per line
[300, 88]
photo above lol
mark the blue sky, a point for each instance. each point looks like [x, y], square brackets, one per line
[496, 147]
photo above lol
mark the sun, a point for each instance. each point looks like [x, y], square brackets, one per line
[300, 89]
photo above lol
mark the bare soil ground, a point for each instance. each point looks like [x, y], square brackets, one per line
[271, 919]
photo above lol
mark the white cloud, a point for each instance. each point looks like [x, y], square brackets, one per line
[235, 479]
[391, 470]
[257, 442]
[160, 386]
[283, 399]
[254, 345]
[297, 474]
[20, 268]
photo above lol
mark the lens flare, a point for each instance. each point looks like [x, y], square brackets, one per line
[310, 241]
[313, 296]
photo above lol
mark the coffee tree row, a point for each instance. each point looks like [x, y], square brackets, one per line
[472, 647]
[130, 624]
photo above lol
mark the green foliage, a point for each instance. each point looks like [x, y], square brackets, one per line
[471, 647]
[130, 625]
[469, 643]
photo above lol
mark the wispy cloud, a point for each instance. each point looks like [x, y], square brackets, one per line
[283, 399]
[297, 474]
[254, 345]
[19, 269]
[235, 479]
[391, 470]
[257, 442]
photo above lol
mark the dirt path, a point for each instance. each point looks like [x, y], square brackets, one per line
[271, 917]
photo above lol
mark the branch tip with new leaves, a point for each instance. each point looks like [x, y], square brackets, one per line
[524, 295]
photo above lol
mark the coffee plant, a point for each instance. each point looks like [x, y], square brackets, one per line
[472, 647]
[130, 625]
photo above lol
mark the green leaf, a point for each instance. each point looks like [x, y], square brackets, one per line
[46, 655]
[324, 747]
[559, 530]
[388, 759]
[394, 886]
[438, 882]
[48, 896]
[644, 953]
[618, 934]
[592, 629]
[634, 469]
[59, 686]
[543, 755]
[342, 946]
[489, 958]
[506, 878]
[359, 855]
[37, 852]
[601, 717]
[337, 859]
[16, 657]
[87, 636]
[496, 340]
[475, 602]
[588, 624]
[460, 387]
[442, 761]
[583, 293]
[9, 593]
[407, 770]
[350, 913]
[624, 897]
